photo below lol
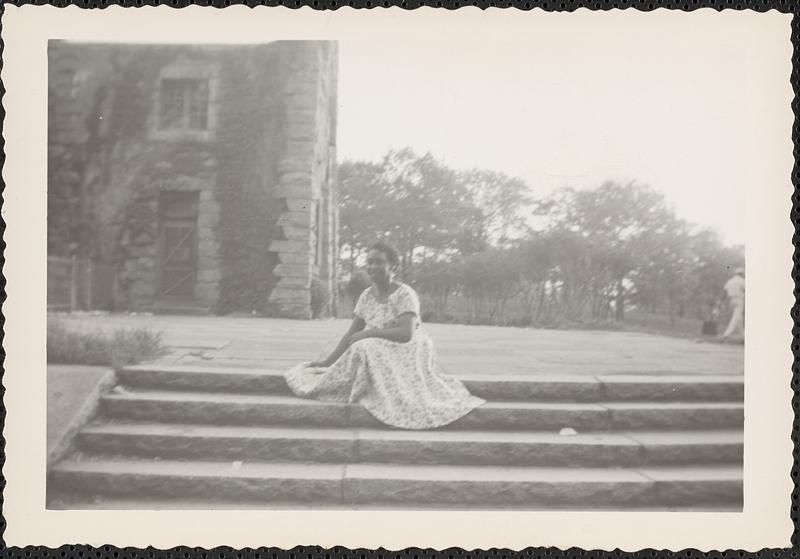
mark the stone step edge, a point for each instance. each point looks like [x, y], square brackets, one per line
[354, 445]
[357, 433]
[57, 500]
[284, 399]
[443, 472]
[533, 377]
[625, 386]
[269, 409]
[391, 484]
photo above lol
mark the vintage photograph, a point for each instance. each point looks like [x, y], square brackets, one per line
[320, 274]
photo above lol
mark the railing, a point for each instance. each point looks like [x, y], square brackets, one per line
[75, 284]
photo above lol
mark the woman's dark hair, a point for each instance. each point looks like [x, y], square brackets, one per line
[391, 254]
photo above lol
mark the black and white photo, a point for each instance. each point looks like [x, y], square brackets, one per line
[325, 269]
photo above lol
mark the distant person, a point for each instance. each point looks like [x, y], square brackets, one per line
[386, 361]
[734, 288]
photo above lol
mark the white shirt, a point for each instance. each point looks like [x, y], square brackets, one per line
[735, 287]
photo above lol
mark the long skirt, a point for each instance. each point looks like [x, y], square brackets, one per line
[401, 384]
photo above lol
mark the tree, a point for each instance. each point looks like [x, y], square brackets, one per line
[537, 257]
[429, 204]
[605, 232]
[363, 207]
[414, 202]
[488, 280]
[440, 279]
[598, 253]
[663, 275]
[713, 265]
[500, 204]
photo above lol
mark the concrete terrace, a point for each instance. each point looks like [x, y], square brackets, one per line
[657, 425]
[277, 344]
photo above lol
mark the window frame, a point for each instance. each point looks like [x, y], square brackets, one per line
[189, 91]
[185, 71]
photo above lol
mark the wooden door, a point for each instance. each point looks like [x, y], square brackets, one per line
[178, 244]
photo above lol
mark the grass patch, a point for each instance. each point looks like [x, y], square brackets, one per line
[122, 347]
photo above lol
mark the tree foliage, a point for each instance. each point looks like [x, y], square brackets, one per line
[425, 209]
[467, 243]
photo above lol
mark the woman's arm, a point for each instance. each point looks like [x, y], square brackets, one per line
[357, 325]
[402, 332]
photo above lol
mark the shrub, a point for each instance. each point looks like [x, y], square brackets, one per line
[124, 346]
[320, 297]
[356, 285]
[521, 321]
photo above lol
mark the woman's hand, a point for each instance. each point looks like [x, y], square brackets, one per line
[357, 325]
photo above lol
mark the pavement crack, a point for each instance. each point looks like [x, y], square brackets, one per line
[641, 450]
[343, 492]
[355, 454]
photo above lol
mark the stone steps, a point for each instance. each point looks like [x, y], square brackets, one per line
[111, 502]
[181, 436]
[579, 388]
[392, 485]
[633, 449]
[267, 409]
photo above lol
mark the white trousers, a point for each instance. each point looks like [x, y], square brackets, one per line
[737, 318]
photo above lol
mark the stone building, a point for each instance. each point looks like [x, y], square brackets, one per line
[204, 174]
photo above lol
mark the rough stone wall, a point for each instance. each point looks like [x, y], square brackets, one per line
[137, 250]
[305, 179]
[126, 164]
[75, 92]
[269, 134]
[325, 172]
[251, 133]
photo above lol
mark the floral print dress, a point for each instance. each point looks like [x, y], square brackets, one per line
[401, 384]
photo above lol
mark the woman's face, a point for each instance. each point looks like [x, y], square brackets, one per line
[378, 267]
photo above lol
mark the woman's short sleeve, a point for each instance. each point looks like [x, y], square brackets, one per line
[361, 304]
[407, 301]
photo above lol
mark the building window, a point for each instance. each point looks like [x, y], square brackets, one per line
[184, 104]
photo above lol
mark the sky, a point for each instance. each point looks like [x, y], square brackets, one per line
[668, 108]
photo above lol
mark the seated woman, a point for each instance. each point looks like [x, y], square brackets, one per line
[386, 361]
